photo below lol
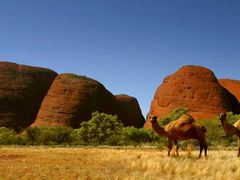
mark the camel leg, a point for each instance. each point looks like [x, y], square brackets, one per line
[169, 146]
[201, 148]
[177, 147]
[205, 148]
[238, 146]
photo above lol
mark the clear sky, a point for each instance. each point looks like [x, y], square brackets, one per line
[128, 45]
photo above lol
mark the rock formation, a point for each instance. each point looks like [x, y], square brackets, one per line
[195, 88]
[232, 86]
[22, 89]
[128, 111]
[72, 99]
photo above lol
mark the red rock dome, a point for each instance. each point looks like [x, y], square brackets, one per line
[73, 98]
[195, 88]
[22, 89]
[129, 111]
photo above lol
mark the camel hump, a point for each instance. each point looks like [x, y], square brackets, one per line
[183, 121]
[186, 118]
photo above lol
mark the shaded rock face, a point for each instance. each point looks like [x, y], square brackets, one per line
[22, 89]
[72, 99]
[195, 88]
[128, 111]
[232, 86]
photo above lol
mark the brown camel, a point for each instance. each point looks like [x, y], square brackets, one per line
[231, 129]
[184, 128]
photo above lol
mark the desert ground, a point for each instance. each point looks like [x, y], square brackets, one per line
[115, 163]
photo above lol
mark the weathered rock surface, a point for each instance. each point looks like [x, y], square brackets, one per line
[72, 99]
[195, 88]
[232, 86]
[128, 111]
[22, 89]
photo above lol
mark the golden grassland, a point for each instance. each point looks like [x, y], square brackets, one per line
[115, 163]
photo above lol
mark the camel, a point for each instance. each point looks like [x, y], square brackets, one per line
[184, 128]
[231, 129]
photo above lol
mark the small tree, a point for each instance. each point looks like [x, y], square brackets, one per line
[98, 130]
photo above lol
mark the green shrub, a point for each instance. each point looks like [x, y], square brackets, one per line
[48, 135]
[32, 134]
[132, 135]
[8, 136]
[98, 130]
[114, 140]
[215, 131]
[62, 134]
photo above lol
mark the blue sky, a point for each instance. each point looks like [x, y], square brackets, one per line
[128, 45]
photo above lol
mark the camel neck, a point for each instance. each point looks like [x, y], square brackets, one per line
[228, 128]
[158, 129]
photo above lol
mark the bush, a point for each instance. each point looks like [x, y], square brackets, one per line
[62, 134]
[32, 134]
[99, 130]
[132, 135]
[8, 136]
[48, 135]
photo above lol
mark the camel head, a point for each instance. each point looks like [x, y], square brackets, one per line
[153, 119]
[222, 116]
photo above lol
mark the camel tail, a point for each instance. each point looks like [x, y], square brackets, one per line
[201, 130]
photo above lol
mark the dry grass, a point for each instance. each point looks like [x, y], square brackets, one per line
[109, 163]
